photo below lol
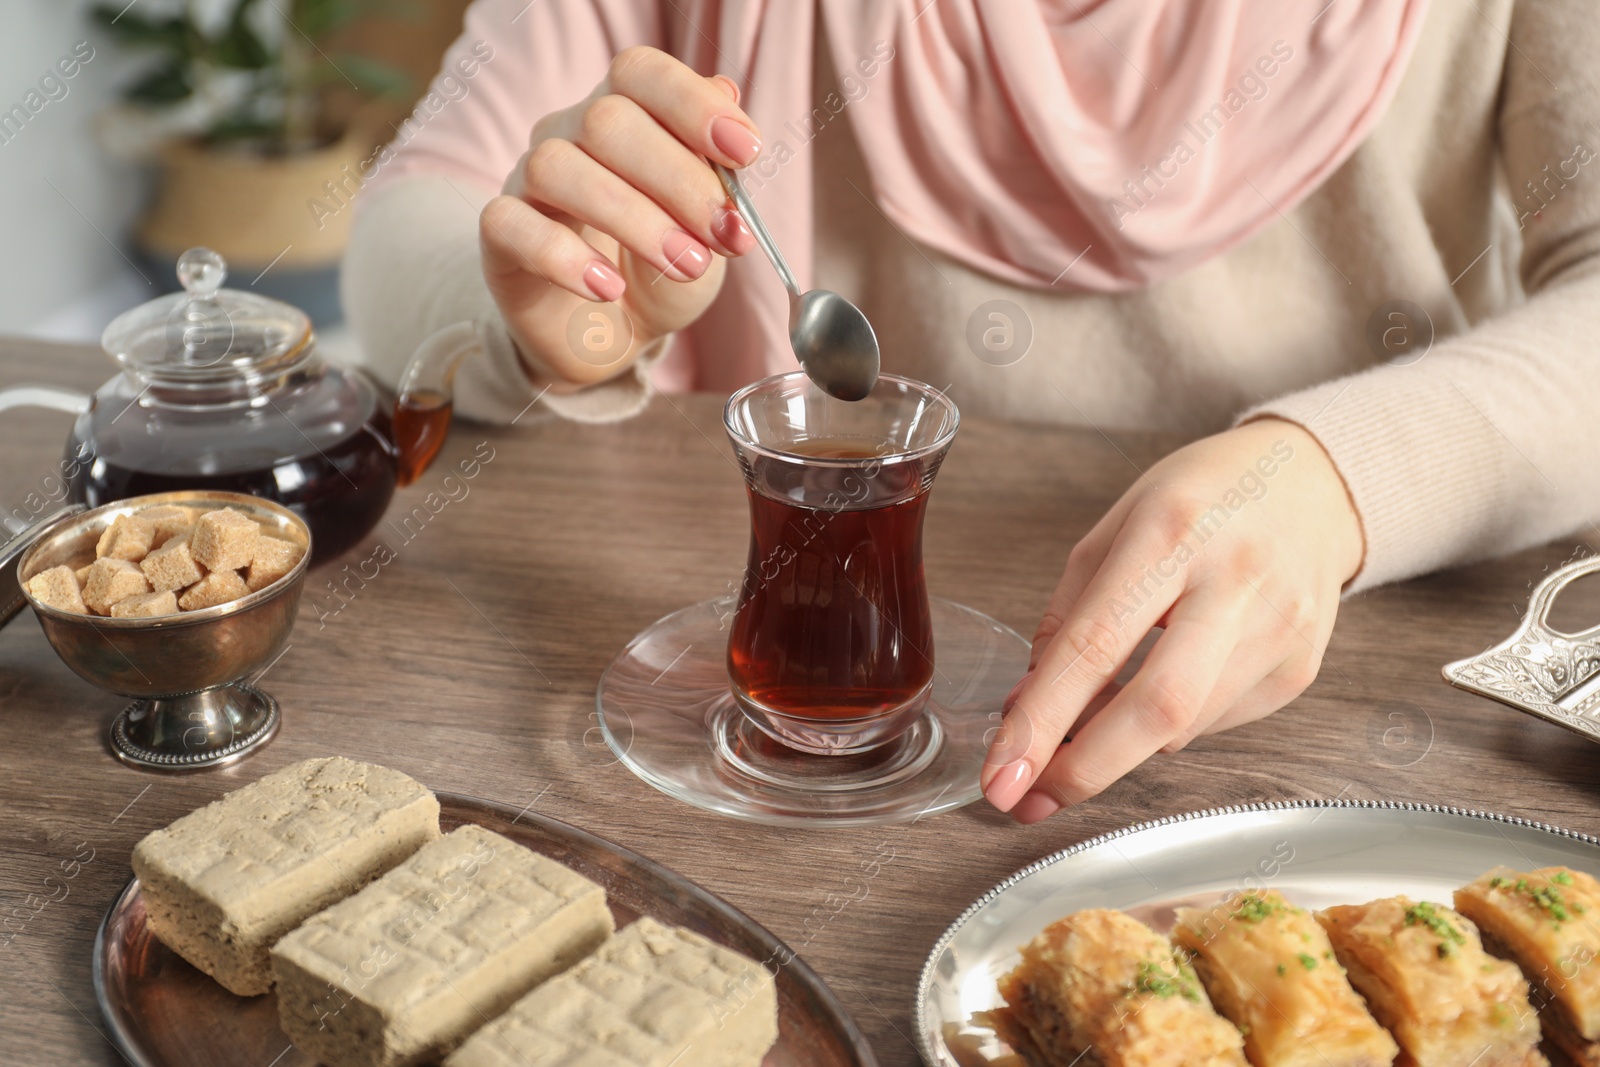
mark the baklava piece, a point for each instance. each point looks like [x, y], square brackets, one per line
[1548, 922]
[1425, 975]
[1101, 987]
[1270, 968]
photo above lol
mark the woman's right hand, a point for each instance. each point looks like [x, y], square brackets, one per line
[614, 201]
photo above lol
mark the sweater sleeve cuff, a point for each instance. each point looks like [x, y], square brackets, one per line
[505, 378]
[1420, 461]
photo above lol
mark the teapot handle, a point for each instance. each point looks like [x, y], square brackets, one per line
[426, 393]
[52, 397]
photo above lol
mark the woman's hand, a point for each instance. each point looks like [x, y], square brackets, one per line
[614, 202]
[1238, 546]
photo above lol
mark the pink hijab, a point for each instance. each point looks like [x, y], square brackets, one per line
[1096, 145]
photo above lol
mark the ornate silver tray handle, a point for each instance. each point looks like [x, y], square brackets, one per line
[1548, 674]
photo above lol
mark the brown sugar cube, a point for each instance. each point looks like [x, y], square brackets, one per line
[224, 540]
[111, 580]
[82, 574]
[128, 537]
[169, 521]
[172, 566]
[274, 558]
[58, 588]
[146, 605]
[218, 587]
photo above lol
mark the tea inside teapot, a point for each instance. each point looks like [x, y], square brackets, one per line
[341, 487]
[222, 390]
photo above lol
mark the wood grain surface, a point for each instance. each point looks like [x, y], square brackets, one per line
[471, 660]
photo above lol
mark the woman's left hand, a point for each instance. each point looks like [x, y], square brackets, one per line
[1237, 545]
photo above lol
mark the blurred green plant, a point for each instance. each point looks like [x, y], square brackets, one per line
[270, 55]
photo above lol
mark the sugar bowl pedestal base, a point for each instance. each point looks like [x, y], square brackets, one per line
[665, 710]
[198, 730]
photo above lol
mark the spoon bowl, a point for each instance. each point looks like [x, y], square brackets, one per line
[835, 344]
[830, 336]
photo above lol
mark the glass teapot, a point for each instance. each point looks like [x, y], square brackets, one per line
[223, 389]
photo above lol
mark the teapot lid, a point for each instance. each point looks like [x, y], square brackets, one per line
[207, 333]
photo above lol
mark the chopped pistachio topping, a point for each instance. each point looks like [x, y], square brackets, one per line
[1547, 898]
[1173, 980]
[1425, 914]
[1283, 969]
[1252, 908]
[1307, 961]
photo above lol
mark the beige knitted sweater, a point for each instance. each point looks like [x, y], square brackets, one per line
[1476, 199]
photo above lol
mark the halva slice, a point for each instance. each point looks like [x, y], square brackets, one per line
[404, 970]
[652, 996]
[223, 883]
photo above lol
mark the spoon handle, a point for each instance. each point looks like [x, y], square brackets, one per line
[752, 218]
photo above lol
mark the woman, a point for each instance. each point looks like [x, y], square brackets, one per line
[1224, 218]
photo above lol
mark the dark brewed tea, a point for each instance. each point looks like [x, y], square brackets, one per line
[832, 621]
[340, 491]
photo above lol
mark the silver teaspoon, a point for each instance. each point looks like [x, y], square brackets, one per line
[830, 336]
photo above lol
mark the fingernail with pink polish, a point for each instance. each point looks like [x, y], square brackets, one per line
[734, 140]
[687, 258]
[604, 283]
[1035, 807]
[1009, 784]
[728, 228]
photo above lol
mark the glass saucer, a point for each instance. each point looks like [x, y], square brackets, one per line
[666, 709]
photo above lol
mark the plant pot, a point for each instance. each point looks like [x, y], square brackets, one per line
[281, 222]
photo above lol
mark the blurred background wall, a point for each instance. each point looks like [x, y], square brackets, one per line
[68, 208]
[64, 203]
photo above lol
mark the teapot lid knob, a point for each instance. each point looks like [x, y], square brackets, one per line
[206, 335]
[202, 272]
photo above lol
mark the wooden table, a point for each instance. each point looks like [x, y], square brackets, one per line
[470, 662]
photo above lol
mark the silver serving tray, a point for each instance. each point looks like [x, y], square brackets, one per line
[161, 1012]
[1316, 853]
[1539, 670]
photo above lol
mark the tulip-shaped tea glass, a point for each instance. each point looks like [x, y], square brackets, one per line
[829, 685]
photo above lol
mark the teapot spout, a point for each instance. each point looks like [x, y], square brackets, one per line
[422, 409]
